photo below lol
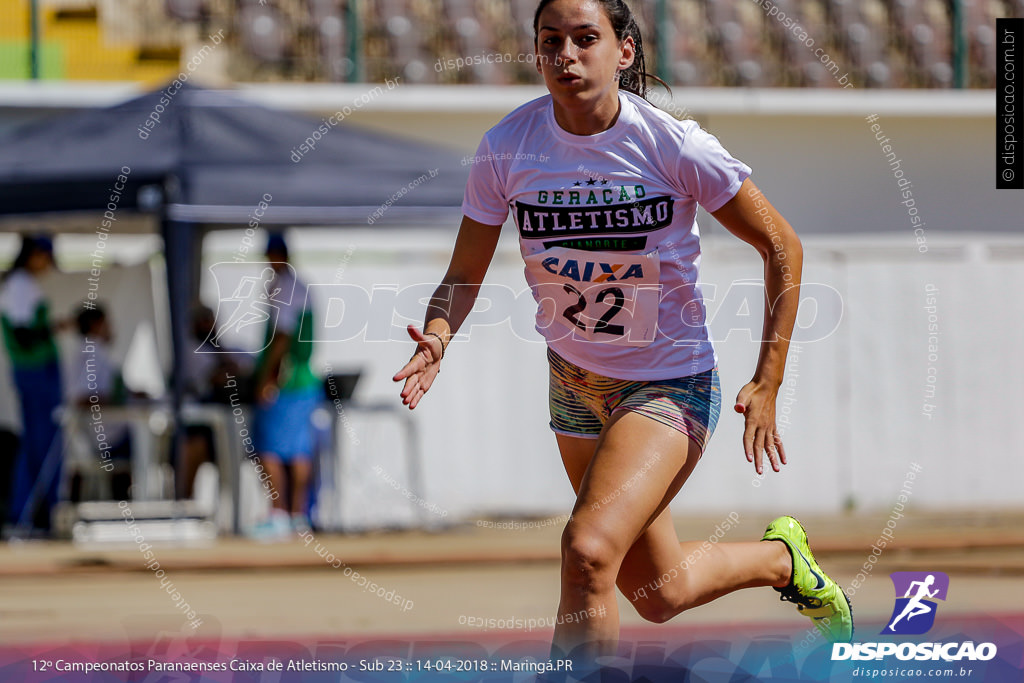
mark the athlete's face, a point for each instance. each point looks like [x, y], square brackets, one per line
[577, 51]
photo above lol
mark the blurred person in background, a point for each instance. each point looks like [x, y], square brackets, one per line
[208, 370]
[30, 340]
[287, 393]
[96, 381]
[8, 456]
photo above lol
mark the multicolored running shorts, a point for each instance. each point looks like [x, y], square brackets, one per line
[581, 401]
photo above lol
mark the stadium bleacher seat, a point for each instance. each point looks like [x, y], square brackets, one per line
[879, 43]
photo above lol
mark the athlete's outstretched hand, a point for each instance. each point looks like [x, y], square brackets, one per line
[756, 402]
[422, 368]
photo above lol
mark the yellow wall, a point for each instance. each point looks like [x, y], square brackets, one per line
[73, 47]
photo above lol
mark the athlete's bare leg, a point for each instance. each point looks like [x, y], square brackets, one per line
[621, 534]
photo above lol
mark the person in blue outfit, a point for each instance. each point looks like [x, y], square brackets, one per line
[29, 338]
[287, 393]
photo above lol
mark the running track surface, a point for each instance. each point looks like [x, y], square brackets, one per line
[711, 652]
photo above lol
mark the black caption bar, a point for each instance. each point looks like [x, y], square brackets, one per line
[1009, 107]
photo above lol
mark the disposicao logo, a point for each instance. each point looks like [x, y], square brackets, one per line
[914, 613]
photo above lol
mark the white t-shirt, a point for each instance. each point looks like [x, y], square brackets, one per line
[596, 215]
[20, 297]
[94, 373]
[291, 301]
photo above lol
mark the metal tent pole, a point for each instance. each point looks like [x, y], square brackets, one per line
[33, 50]
[959, 45]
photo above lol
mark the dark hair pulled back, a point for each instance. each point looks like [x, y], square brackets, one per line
[633, 79]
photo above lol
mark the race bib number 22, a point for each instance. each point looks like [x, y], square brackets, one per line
[603, 297]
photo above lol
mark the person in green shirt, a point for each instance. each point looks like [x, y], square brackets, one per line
[287, 393]
[32, 350]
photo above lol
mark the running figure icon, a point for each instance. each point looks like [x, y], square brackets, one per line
[917, 595]
[253, 299]
[916, 606]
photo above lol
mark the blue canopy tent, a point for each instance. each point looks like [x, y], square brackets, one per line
[192, 160]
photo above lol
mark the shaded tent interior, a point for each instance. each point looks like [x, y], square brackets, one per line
[204, 161]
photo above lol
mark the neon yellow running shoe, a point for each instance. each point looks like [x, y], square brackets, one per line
[815, 594]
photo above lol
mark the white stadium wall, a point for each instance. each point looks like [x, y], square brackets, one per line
[858, 407]
[860, 382]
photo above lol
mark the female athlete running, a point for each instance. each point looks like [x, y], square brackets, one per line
[607, 231]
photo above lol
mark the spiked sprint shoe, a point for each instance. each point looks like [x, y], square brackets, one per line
[816, 595]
